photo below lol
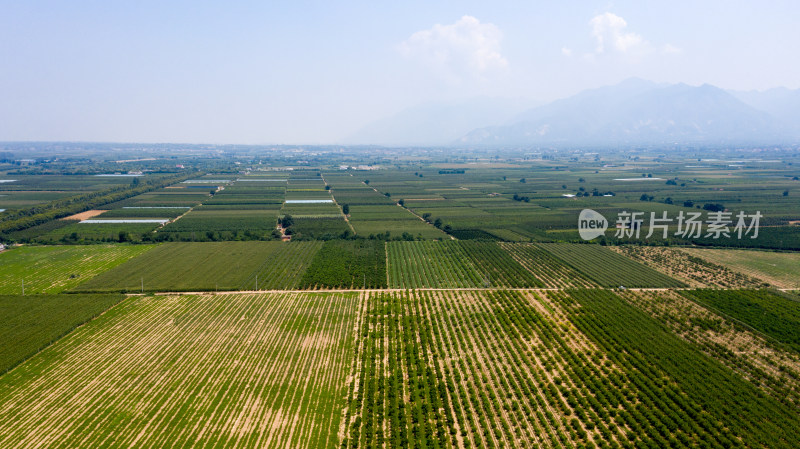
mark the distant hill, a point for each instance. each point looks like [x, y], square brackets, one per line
[437, 123]
[642, 112]
[782, 103]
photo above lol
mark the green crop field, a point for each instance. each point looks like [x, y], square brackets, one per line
[434, 264]
[324, 227]
[53, 269]
[608, 268]
[497, 267]
[750, 353]
[97, 232]
[347, 264]
[210, 266]
[700, 398]
[773, 315]
[201, 221]
[143, 212]
[32, 322]
[550, 270]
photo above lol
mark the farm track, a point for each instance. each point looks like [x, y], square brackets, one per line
[341, 211]
[378, 290]
[419, 217]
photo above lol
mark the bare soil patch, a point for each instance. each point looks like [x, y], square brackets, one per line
[85, 215]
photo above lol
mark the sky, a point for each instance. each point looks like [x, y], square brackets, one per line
[308, 72]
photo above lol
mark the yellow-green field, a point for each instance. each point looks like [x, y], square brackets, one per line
[779, 269]
[53, 269]
[199, 371]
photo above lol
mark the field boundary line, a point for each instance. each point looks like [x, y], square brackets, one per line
[62, 336]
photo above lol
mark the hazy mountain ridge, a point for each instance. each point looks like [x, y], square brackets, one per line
[781, 103]
[438, 123]
[639, 111]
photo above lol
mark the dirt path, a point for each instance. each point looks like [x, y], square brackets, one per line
[341, 211]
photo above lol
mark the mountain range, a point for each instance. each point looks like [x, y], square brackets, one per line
[438, 123]
[635, 111]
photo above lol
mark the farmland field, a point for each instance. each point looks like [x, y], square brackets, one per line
[677, 382]
[551, 271]
[411, 225]
[97, 232]
[53, 269]
[232, 370]
[685, 266]
[778, 269]
[773, 315]
[497, 266]
[608, 268]
[347, 264]
[210, 266]
[467, 368]
[774, 370]
[32, 322]
[430, 264]
[437, 368]
[201, 221]
[324, 227]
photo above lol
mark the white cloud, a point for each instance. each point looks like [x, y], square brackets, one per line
[466, 48]
[609, 31]
[612, 36]
[566, 51]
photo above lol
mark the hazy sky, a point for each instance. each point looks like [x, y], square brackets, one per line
[314, 72]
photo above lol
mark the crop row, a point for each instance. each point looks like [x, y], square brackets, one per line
[768, 313]
[685, 397]
[347, 264]
[547, 268]
[608, 268]
[498, 267]
[494, 369]
[430, 264]
[209, 266]
[52, 269]
[772, 367]
[390, 369]
[691, 269]
[203, 371]
[32, 322]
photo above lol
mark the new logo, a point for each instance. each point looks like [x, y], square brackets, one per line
[591, 224]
